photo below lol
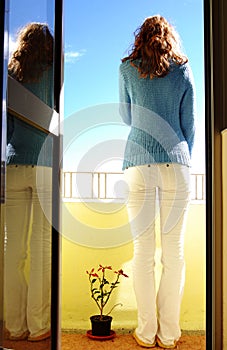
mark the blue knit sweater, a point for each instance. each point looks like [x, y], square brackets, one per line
[161, 113]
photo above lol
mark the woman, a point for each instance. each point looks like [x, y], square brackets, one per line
[29, 174]
[158, 102]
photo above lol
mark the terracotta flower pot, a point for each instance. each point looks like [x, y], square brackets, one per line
[100, 326]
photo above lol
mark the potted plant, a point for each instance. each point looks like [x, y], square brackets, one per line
[101, 289]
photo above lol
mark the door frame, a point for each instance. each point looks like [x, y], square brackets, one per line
[215, 31]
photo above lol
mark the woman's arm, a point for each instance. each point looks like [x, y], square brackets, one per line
[188, 112]
[125, 101]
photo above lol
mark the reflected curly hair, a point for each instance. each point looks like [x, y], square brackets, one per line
[156, 45]
[34, 53]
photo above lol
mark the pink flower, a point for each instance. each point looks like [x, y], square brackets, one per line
[94, 274]
[103, 268]
[91, 273]
[120, 272]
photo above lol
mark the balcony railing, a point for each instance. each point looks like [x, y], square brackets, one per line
[110, 186]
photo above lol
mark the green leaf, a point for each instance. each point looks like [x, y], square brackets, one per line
[106, 293]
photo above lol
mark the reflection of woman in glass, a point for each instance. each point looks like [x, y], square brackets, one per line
[157, 95]
[27, 286]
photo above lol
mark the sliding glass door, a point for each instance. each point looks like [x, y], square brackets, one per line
[30, 158]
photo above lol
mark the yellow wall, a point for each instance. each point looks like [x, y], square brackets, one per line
[77, 306]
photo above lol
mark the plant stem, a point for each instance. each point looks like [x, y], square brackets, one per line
[92, 294]
[114, 284]
[114, 308]
[101, 288]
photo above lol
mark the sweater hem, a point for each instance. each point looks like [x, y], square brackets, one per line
[144, 159]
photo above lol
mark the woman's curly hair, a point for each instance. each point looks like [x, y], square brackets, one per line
[156, 45]
[34, 53]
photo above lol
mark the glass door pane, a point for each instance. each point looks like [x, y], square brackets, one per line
[29, 158]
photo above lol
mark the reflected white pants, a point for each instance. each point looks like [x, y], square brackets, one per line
[169, 186]
[28, 235]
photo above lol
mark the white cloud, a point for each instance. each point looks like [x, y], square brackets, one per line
[73, 56]
[12, 44]
[70, 56]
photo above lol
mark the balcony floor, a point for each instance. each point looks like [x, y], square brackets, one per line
[75, 341]
[126, 342]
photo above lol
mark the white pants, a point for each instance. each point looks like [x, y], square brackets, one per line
[169, 184]
[28, 235]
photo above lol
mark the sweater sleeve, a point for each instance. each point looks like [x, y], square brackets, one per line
[124, 99]
[188, 112]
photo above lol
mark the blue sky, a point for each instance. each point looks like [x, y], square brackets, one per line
[98, 34]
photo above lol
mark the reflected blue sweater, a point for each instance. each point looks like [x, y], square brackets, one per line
[161, 113]
[26, 144]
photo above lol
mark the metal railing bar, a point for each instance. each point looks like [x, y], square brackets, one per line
[101, 180]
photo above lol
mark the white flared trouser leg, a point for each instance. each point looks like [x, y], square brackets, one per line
[174, 200]
[38, 308]
[17, 217]
[144, 286]
[141, 213]
[27, 291]
[171, 182]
